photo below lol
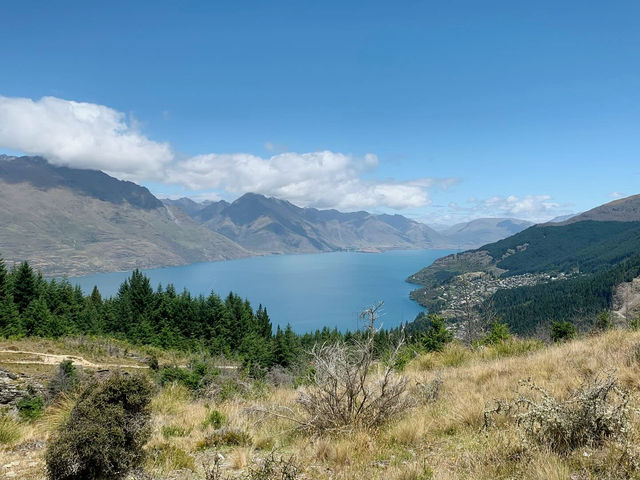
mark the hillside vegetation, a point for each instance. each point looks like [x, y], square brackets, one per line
[446, 432]
[546, 273]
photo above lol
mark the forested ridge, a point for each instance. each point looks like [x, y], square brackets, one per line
[31, 305]
[585, 247]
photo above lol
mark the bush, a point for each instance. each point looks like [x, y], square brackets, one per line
[348, 390]
[603, 322]
[225, 437]
[214, 419]
[563, 331]
[498, 334]
[105, 432]
[436, 334]
[31, 406]
[596, 411]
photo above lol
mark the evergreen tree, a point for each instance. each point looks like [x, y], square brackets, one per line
[24, 287]
[263, 323]
[436, 335]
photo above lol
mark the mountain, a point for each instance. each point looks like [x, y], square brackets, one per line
[553, 271]
[72, 221]
[621, 210]
[271, 225]
[483, 230]
[190, 207]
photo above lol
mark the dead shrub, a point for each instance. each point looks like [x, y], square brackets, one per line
[348, 388]
[429, 392]
[593, 413]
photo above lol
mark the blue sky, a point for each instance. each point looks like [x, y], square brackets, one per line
[442, 111]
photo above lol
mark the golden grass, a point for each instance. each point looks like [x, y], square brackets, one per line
[443, 439]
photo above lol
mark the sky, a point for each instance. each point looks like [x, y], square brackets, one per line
[440, 111]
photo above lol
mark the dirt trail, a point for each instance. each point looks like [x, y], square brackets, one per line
[54, 359]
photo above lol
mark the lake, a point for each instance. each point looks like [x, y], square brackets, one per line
[307, 291]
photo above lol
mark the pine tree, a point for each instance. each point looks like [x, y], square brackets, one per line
[24, 287]
[263, 323]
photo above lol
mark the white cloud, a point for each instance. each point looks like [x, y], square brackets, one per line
[82, 135]
[321, 179]
[616, 195]
[86, 135]
[535, 208]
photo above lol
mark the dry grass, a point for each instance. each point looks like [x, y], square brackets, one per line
[440, 439]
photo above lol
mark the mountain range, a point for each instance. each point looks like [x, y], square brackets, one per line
[75, 221]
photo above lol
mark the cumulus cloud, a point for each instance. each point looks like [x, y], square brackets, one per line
[83, 135]
[87, 135]
[321, 179]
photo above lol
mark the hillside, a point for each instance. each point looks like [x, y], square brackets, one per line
[441, 436]
[547, 272]
[70, 221]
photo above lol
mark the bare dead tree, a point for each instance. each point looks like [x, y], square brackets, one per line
[349, 388]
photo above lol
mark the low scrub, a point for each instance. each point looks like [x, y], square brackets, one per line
[104, 433]
[349, 389]
[225, 437]
[596, 412]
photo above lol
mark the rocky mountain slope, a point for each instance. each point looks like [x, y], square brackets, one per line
[71, 221]
[271, 225]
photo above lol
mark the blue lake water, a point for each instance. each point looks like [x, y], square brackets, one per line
[307, 291]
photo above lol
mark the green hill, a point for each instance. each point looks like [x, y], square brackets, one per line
[545, 273]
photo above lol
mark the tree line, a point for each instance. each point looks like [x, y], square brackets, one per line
[31, 305]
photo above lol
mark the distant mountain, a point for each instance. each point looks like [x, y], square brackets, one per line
[483, 230]
[72, 221]
[552, 271]
[271, 225]
[190, 207]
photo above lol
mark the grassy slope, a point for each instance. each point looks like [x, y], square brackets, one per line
[445, 436]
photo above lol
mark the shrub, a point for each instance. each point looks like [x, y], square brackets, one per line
[603, 322]
[214, 419]
[596, 411]
[436, 334]
[634, 323]
[347, 389]
[225, 437]
[105, 432]
[563, 331]
[430, 391]
[273, 468]
[31, 406]
[499, 333]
